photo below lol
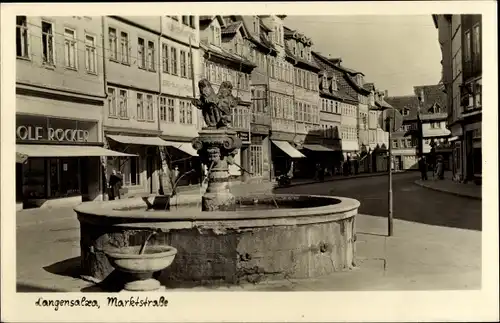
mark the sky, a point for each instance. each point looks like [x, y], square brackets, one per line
[394, 52]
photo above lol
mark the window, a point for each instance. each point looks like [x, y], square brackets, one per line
[163, 109]
[476, 40]
[141, 54]
[192, 22]
[90, 54]
[173, 54]
[183, 64]
[467, 46]
[112, 110]
[131, 170]
[22, 37]
[185, 112]
[395, 143]
[171, 110]
[140, 106]
[215, 37]
[113, 48]
[151, 56]
[256, 25]
[124, 48]
[123, 107]
[165, 61]
[189, 66]
[185, 20]
[150, 108]
[48, 43]
[478, 95]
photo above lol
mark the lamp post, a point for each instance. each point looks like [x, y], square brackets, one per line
[390, 120]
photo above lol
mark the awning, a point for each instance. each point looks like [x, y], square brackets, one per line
[455, 138]
[186, 147]
[66, 151]
[315, 147]
[133, 140]
[288, 149]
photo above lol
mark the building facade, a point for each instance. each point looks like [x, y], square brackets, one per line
[427, 107]
[59, 103]
[460, 37]
[223, 57]
[298, 53]
[347, 106]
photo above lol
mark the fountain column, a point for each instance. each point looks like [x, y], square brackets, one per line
[217, 148]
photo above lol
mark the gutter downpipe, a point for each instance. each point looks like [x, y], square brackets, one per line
[268, 100]
[160, 73]
[104, 159]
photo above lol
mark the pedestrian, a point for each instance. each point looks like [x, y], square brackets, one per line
[440, 168]
[356, 166]
[348, 166]
[321, 173]
[422, 165]
[115, 184]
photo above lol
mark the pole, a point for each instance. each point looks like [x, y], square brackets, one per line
[392, 125]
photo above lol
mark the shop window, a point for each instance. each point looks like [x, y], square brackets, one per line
[130, 168]
[22, 37]
[63, 177]
[34, 178]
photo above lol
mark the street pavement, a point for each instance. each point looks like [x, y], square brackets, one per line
[436, 243]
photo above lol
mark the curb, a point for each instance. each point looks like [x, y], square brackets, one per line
[347, 178]
[447, 191]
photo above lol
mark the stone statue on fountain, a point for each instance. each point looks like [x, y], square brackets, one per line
[217, 143]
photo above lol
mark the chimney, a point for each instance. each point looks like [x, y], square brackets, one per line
[386, 93]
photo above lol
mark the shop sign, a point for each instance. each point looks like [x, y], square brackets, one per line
[244, 136]
[52, 134]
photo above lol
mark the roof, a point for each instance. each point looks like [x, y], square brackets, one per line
[369, 86]
[302, 61]
[231, 28]
[401, 102]
[338, 94]
[221, 52]
[336, 62]
[257, 40]
[432, 94]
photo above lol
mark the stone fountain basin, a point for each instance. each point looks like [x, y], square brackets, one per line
[128, 259]
[307, 236]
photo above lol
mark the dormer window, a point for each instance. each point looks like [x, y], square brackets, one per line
[215, 37]
[406, 111]
[294, 47]
[256, 25]
[301, 50]
[334, 83]
[324, 82]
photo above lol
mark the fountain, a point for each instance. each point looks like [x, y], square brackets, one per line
[220, 237]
